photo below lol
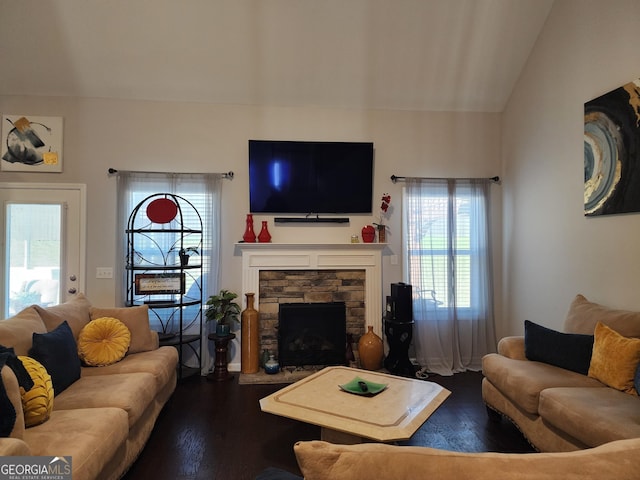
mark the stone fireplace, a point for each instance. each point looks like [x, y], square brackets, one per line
[278, 287]
[310, 273]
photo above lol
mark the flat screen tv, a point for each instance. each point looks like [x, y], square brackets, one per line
[297, 177]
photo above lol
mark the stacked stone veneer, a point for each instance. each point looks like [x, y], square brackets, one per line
[309, 286]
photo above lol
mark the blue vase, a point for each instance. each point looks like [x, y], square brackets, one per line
[222, 329]
[271, 366]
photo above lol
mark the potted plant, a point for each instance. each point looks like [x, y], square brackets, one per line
[185, 253]
[222, 309]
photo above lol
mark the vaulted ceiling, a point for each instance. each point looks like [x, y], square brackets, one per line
[437, 55]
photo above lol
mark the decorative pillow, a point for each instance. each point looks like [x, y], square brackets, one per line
[74, 311]
[137, 321]
[58, 353]
[583, 316]
[37, 403]
[103, 341]
[16, 331]
[570, 351]
[615, 359]
[11, 425]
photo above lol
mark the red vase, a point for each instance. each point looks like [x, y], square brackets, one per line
[264, 236]
[249, 235]
[368, 234]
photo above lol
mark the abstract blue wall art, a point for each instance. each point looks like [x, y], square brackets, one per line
[612, 152]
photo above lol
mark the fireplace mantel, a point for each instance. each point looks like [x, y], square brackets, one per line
[244, 246]
[307, 256]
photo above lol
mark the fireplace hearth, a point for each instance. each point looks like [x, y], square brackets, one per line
[312, 334]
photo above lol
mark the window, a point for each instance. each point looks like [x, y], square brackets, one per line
[34, 251]
[447, 258]
[203, 191]
[441, 231]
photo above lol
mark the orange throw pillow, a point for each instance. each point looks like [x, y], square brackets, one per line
[615, 359]
[103, 341]
[37, 403]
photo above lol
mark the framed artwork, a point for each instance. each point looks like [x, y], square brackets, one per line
[31, 144]
[159, 283]
[612, 152]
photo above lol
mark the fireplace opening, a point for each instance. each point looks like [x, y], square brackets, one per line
[312, 334]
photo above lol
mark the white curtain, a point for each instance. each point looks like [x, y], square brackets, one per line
[447, 250]
[204, 192]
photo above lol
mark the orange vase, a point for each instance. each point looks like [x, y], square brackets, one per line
[250, 343]
[370, 350]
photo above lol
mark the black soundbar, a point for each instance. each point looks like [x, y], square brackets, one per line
[311, 220]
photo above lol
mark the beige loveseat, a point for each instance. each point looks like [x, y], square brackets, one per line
[559, 409]
[103, 419]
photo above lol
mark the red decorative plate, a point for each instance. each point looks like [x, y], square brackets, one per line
[162, 210]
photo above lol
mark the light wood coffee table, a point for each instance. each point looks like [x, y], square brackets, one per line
[393, 414]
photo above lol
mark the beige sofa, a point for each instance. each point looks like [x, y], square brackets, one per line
[558, 409]
[325, 461]
[104, 418]
[585, 429]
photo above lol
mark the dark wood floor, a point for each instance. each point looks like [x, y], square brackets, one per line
[211, 430]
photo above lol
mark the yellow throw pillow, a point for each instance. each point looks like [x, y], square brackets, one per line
[103, 341]
[37, 403]
[615, 359]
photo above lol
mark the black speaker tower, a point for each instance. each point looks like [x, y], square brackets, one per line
[398, 327]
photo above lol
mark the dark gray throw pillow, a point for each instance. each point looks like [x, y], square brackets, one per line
[57, 351]
[570, 351]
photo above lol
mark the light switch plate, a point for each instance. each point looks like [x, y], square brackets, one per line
[104, 272]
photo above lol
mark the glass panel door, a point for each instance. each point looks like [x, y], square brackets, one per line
[43, 245]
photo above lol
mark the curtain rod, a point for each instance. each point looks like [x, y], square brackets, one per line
[113, 171]
[395, 178]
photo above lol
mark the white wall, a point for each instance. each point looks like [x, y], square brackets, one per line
[552, 252]
[188, 137]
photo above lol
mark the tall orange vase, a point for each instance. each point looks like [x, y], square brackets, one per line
[370, 350]
[250, 343]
